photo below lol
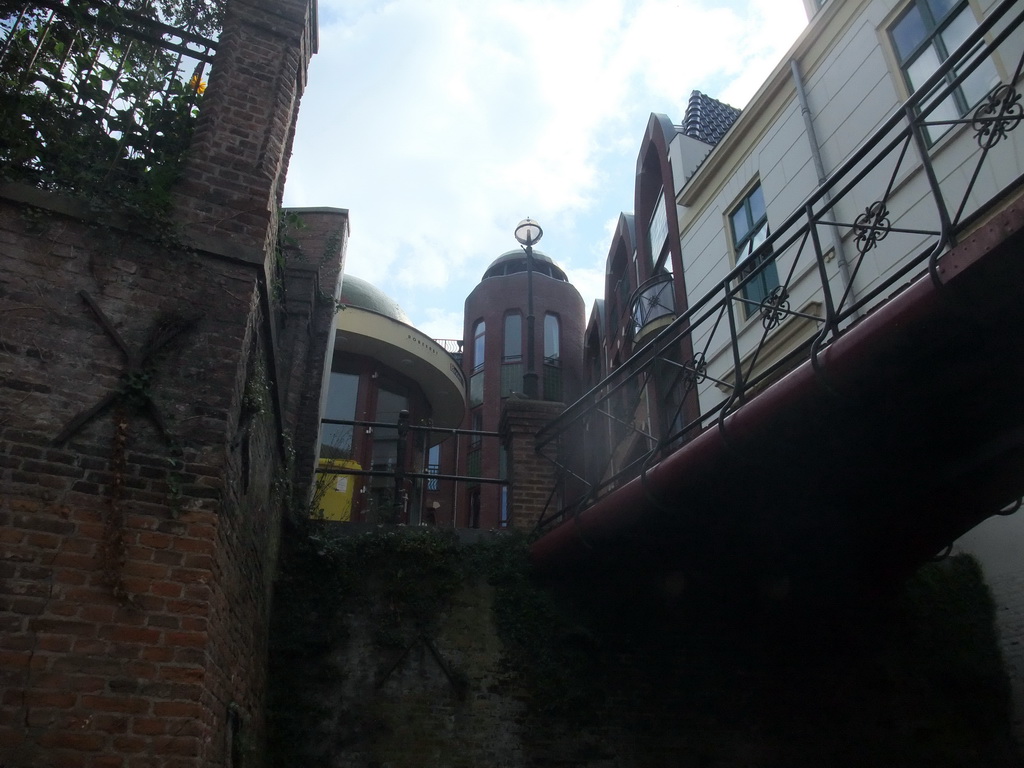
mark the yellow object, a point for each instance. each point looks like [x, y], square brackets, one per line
[335, 503]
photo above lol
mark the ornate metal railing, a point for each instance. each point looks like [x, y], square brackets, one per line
[652, 302]
[96, 95]
[452, 346]
[880, 221]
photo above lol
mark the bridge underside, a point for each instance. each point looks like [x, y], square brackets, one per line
[910, 433]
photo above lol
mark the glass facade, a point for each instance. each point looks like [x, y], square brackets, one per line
[336, 439]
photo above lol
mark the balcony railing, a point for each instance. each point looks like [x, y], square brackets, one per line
[452, 346]
[898, 203]
[407, 474]
[101, 97]
[653, 306]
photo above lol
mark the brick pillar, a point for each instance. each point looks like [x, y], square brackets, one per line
[233, 180]
[305, 340]
[532, 476]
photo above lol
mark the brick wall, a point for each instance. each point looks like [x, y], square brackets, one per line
[306, 328]
[532, 477]
[239, 157]
[141, 494]
[114, 555]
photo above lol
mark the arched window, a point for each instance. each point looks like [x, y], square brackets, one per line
[512, 355]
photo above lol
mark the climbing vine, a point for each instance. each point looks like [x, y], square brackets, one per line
[112, 547]
[288, 249]
[916, 678]
[99, 99]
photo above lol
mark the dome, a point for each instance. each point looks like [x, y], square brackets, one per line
[356, 292]
[514, 261]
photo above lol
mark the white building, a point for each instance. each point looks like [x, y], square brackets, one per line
[882, 154]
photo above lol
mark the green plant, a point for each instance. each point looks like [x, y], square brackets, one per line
[286, 247]
[256, 397]
[92, 104]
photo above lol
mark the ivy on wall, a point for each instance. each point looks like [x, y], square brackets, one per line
[607, 670]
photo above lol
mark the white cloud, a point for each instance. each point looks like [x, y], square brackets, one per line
[442, 322]
[439, 125]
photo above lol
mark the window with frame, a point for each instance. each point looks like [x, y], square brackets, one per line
[923, 36]
[390, 403]
[748, 223]
[552, 358]
[474, 508]
[512, 355]
[657, 232]
[552, 339]
[479, 331]
[503, 510]
[336, 439]
[513, 346]
[476, 426]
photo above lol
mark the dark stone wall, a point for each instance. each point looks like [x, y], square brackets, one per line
[381, 657]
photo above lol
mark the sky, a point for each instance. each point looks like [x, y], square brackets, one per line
[440, 124]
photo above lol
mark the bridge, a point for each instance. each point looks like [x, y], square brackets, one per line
[860, 434]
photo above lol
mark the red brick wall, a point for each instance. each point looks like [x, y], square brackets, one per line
[532, 476]
[120, 545]
[306, 331]
[136, 562]
[239, 158]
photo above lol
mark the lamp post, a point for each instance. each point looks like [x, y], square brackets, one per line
[528, 232]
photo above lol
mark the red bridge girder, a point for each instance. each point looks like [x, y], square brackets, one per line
[909, 434]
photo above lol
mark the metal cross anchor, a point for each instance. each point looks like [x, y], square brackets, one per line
[136, 374]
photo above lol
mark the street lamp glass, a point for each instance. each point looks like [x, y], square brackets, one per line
[528, 232]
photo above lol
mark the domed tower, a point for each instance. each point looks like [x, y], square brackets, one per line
[495, 361]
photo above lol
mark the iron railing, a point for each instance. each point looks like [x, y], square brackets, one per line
[96, 94]
[407, 482]
[452, 346]
[651, 302]
[899, 202]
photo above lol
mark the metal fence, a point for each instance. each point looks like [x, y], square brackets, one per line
[96, 95]
[410, 476]
[894, 204]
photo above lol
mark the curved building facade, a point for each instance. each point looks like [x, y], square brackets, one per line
[381, 367]
[495, 361]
